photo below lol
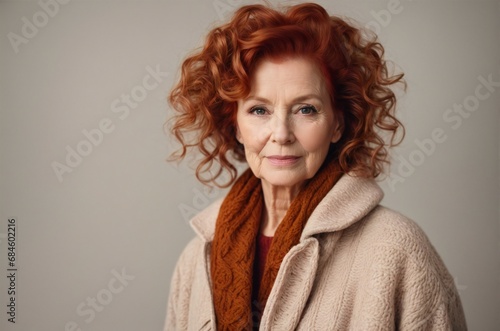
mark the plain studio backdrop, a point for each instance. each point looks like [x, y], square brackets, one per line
[101, 218]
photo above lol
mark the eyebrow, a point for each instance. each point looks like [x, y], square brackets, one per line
[301, 98]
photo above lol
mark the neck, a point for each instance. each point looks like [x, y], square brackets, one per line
[277, 200]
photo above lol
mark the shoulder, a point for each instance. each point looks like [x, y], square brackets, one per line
[193, 248]
[186, 263]
[389, 242]
[203, 224]
[391, 228]
[396, 246]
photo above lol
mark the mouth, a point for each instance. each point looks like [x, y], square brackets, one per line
[282, 160]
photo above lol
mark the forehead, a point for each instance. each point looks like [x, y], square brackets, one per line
[289, 73]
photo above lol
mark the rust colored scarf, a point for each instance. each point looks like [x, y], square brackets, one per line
[233, 248]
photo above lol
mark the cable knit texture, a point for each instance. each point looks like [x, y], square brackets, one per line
[356, 266]
[234, 241]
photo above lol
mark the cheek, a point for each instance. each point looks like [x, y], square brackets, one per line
[253, 145]
[253, 137]
[315, 137]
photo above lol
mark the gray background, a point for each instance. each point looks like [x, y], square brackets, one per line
[124, 209]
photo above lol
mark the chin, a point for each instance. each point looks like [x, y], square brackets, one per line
[284, 179]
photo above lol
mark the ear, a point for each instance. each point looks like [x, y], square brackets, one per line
[238, 135]
[336, 136]
[339, 129]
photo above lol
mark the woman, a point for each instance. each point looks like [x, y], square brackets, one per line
[300, 241]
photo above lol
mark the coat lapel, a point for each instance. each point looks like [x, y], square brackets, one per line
[351, 199]
[292, 286]
[201, 309]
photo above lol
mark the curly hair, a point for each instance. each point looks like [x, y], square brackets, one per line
[217, 75]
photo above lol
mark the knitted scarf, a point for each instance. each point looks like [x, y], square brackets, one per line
[233, 246]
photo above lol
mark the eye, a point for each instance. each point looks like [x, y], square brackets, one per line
[258, 111]
[308, 110]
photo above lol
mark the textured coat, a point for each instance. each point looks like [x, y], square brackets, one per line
[358, 266]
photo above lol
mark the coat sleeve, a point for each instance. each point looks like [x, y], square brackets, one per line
[428, 297]
[406, 285]
[180, 289]
[170, 322]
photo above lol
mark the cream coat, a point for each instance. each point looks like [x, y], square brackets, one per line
[358, 266]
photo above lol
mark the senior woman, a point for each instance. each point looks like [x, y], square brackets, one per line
[300, 242]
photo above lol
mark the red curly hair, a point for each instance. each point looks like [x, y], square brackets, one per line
[215, 77]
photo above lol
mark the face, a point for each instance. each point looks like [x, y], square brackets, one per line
[286, 123]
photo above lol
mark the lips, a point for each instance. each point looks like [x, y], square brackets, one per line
[283, 160]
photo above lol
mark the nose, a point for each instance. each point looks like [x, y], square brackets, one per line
[282, 130]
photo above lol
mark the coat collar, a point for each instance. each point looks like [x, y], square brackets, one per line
[350, 199]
